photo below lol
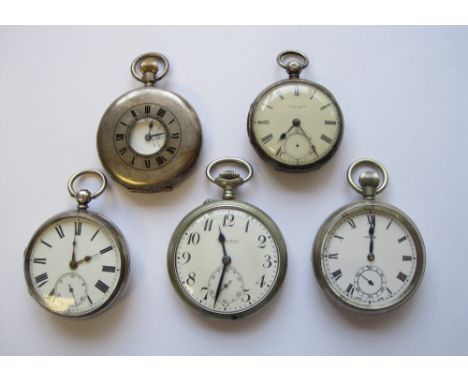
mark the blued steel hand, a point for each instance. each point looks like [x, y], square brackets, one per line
[226, 261]
[296, 122]
[371, 256]
[149, 136]
[73, 264]
[88, 258]
[370, 282]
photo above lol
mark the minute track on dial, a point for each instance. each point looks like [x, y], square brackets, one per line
[302, 102]
[226, 258]
[378, 272]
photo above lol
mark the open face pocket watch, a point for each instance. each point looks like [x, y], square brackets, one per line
[148, 139]
[76, 265]
[369, 256]
[295, 124]
[227, 258]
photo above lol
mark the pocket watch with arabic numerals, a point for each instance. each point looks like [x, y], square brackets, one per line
[295, 124]
[149, 139]
[77, 264]
[369, 256]
[227, 258]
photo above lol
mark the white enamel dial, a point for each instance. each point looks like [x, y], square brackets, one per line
[147, 136]
[74, 266]
[227, 261]
[369, 259]
[296, 123]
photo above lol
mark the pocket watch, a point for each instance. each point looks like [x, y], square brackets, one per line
[227, 258]
[295, 124]
[148, 139]
[77, 264]
[369, 256]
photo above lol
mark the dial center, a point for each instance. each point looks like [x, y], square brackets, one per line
[147, 136]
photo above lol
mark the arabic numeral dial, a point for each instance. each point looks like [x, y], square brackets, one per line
[226, 261]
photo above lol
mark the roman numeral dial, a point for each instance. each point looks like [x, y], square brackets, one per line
[297, 118]
[369, 258]
[79, 288]
[147, 137]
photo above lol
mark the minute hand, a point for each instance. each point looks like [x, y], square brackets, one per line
[226, 261]
[312, 146]
[371, 255]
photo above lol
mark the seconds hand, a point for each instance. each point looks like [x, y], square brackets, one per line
[369, 281]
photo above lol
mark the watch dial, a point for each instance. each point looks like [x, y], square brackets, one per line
[227, 261]
[296, 123]
[147, 137]
[74, 266]
[369, 259]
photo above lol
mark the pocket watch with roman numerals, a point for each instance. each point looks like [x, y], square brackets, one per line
[295, 124]
[77, 264]
[149, 138]
[227, 258]
[369, 256]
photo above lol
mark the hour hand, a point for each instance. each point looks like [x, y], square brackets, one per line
[295, 123]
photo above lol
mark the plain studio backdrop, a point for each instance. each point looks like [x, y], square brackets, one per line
[403, 92]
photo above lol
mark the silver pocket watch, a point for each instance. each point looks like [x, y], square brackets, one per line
[369, 256]
[76, 264]
[149, 139]
[295, 124]
[227, 258]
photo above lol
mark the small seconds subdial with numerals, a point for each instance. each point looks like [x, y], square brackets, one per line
[76, 265]
[376, 276]
[227, 258]
[369, 256]
[295, 123]
[252, 268]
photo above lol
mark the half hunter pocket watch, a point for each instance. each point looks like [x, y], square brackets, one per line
[227, 258]
[295, 124]
[369, 256]
[148, 139]
[77, 264]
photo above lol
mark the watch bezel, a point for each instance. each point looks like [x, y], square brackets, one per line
[163, 178]
[279, 166]
[266, 220]
[368, 206]
[119, 239]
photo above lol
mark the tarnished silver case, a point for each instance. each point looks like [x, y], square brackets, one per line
[368, 206]
[282, 166]
[211, 205]
[124, 257]
[164, 178]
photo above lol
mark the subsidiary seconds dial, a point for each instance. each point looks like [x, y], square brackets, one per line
[368, 255]
[227, 258]
[369, 258]
[295, 123]
[227, 261]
